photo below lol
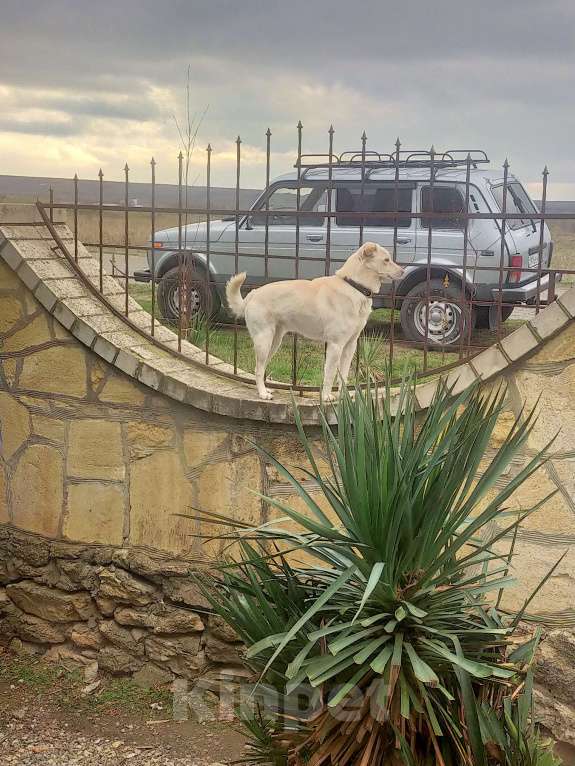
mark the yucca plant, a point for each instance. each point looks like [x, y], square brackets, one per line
[380, 607]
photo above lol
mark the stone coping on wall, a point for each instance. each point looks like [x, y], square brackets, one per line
[69, 295]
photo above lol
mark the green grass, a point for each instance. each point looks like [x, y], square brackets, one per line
[374, 348]
[31, 673]
[121, 693]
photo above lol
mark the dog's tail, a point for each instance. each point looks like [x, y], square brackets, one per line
[234, 296]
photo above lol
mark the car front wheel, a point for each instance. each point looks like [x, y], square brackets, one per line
[442, 319]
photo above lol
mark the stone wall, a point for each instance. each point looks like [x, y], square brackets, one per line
[91, 455]
[116, 610]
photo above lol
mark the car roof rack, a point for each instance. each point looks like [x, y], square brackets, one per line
[408, 158]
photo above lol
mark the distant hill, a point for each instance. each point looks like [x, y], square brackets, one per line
[29, 188]
[559, 206]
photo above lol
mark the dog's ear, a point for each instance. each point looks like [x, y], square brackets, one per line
[368, 250]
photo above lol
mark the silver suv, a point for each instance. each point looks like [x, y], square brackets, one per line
[379, 192]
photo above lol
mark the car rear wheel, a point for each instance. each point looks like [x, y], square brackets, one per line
[443, 320]
[483, 322]
[199, 297]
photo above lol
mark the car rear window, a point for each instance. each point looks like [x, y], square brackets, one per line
[375, 199]
[444, 200]
[518, 201]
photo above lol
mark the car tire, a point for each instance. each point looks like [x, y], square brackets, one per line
[202, 296]
[448, 317]
[482, 321]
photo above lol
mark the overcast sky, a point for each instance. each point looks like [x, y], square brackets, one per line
[86, 84]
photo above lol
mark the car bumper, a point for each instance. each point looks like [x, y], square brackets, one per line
[143, 276]
[527, 292]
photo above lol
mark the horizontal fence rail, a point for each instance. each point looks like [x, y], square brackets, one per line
[455, 300]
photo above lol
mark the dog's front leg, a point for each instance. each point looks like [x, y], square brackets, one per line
[346, 358]
[332, 361]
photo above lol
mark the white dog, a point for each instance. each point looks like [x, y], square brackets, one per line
[330, 309]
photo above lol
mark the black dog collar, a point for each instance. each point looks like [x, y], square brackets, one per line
[362, 289]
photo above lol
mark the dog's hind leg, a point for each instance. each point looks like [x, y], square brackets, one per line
[277, 341]
[332, 361]
[263, 343]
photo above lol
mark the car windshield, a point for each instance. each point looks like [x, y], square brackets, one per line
[518, 201]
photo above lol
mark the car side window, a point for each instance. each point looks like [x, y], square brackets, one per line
[374, 199]
[517, 201]
[284, 198]
[444, 200]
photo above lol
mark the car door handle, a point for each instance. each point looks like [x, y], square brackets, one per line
[403, 241]
[314, 237]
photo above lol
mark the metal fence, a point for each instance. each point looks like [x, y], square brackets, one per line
[385, 343]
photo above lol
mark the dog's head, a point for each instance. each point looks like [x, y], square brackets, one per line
[378, 260]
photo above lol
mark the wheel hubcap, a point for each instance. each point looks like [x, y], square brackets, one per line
[441, 323]
[190, 294]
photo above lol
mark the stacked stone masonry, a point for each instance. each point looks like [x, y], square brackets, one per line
[110, 445]
[127, 611]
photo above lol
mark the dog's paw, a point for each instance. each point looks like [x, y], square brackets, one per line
[266, 396]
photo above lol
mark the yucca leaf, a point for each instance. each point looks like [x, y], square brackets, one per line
[400, 613]
[351, 638]
[364, 654]
[316, 606]
[415, 611]
[470, 707]
[421, 669]
[397, 650]
[346, 688]
[378, 665]
[374, 578]
[404, 690]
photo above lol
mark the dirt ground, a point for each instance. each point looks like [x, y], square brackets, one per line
[47, 720]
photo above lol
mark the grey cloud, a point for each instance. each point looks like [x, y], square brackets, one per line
[495, 74]
[39, 127]
[125, 109]
[148, 30]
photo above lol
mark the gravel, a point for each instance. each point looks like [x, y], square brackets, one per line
[25, 741]
[24, 744]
